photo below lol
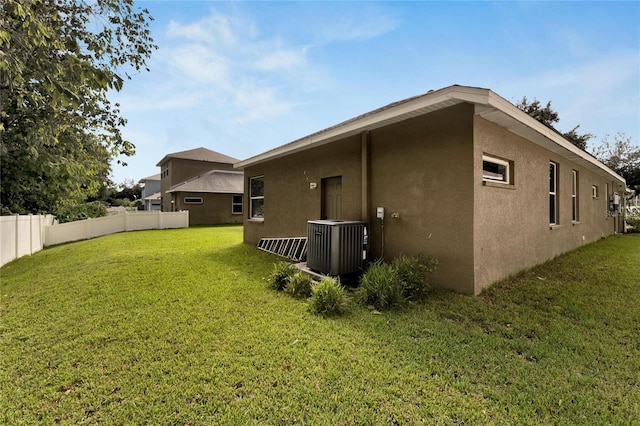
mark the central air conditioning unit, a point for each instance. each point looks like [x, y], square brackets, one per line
[335, 247]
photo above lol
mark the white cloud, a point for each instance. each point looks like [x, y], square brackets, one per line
[367, 25]
[601, 94]
[234, 72]
[158, 101]
[259, 103]
[214, 29]
[201, 64]
[281, 60]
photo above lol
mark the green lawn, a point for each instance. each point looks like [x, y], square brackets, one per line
[179, 327]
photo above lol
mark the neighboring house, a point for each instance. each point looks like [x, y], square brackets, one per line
[463, 175]
[151, 192]
[187, 183]
[214, 197]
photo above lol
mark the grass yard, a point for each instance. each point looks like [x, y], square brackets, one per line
[179, 327]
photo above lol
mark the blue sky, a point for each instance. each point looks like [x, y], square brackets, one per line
[244, 77]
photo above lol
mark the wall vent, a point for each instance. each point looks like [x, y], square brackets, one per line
[335, 247]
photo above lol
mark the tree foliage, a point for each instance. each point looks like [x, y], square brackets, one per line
[547, 116]
[621, 156]
[58, 61]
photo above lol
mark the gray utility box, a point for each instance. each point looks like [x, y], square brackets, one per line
[335, 247]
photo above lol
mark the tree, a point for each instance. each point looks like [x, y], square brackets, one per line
[58, 130]
[547, 116]
[622, 157]
[129, 190]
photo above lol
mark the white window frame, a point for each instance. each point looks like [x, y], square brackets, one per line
[575, 199]
[594, 191]
[553, 193]
[252, 198]
[193, 200]
[505, 178]
[235, 204]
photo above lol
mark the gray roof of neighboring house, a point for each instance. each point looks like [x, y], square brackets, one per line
[199, 154]
[154, 196]
[488, 105]
[215, 181]
[152, 177]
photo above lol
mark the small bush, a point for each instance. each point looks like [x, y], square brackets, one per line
[69, 211]
[380, 287]
[635, 222]
[411, 271]
[299, 285]
[328, 298]
[281, 274]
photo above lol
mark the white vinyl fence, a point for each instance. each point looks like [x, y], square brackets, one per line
[22, 235]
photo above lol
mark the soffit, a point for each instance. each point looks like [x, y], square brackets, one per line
[515, 121]
[488, 105]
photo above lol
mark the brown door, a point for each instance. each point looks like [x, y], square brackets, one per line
[331, 198]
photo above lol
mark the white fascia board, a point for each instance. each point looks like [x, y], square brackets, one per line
[525, 125]
[486, 102]
[419, 105]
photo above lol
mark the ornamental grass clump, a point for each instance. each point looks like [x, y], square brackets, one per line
[299, 285]
[385, 286]
[380, 287]
[281, 274]
[328, 298]
[411, 271]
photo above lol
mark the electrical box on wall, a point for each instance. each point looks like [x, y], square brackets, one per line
[380, 212]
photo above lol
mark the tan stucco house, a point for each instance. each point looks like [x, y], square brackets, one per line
[462, 174]
[203, 182]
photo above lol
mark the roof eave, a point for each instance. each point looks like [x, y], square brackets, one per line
[489, 105]
[501, 112]
[413, 107]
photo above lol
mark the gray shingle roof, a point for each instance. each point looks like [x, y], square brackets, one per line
[199, 154]
[152, 177]
[215, 181]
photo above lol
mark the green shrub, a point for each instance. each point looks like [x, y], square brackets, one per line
[380, 287]
[411, 271]
[635, 222]
[69, 211]
[299, 285]
[281, 274]
[328, 298]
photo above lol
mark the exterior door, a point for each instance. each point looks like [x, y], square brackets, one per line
[331, 198]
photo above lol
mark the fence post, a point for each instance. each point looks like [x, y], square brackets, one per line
[30, 234]
[87, 228]
[17, 234]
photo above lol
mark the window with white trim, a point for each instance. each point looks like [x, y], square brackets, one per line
[496, 170]
[575, 212]
[594, 191]
[192, 200]
[236, 204]
[256, 197]
[553, 193]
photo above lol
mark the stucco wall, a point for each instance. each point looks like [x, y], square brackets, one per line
[289, 201]
[511, 229]
[422, 170]
[427, 174]
[215, 208]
